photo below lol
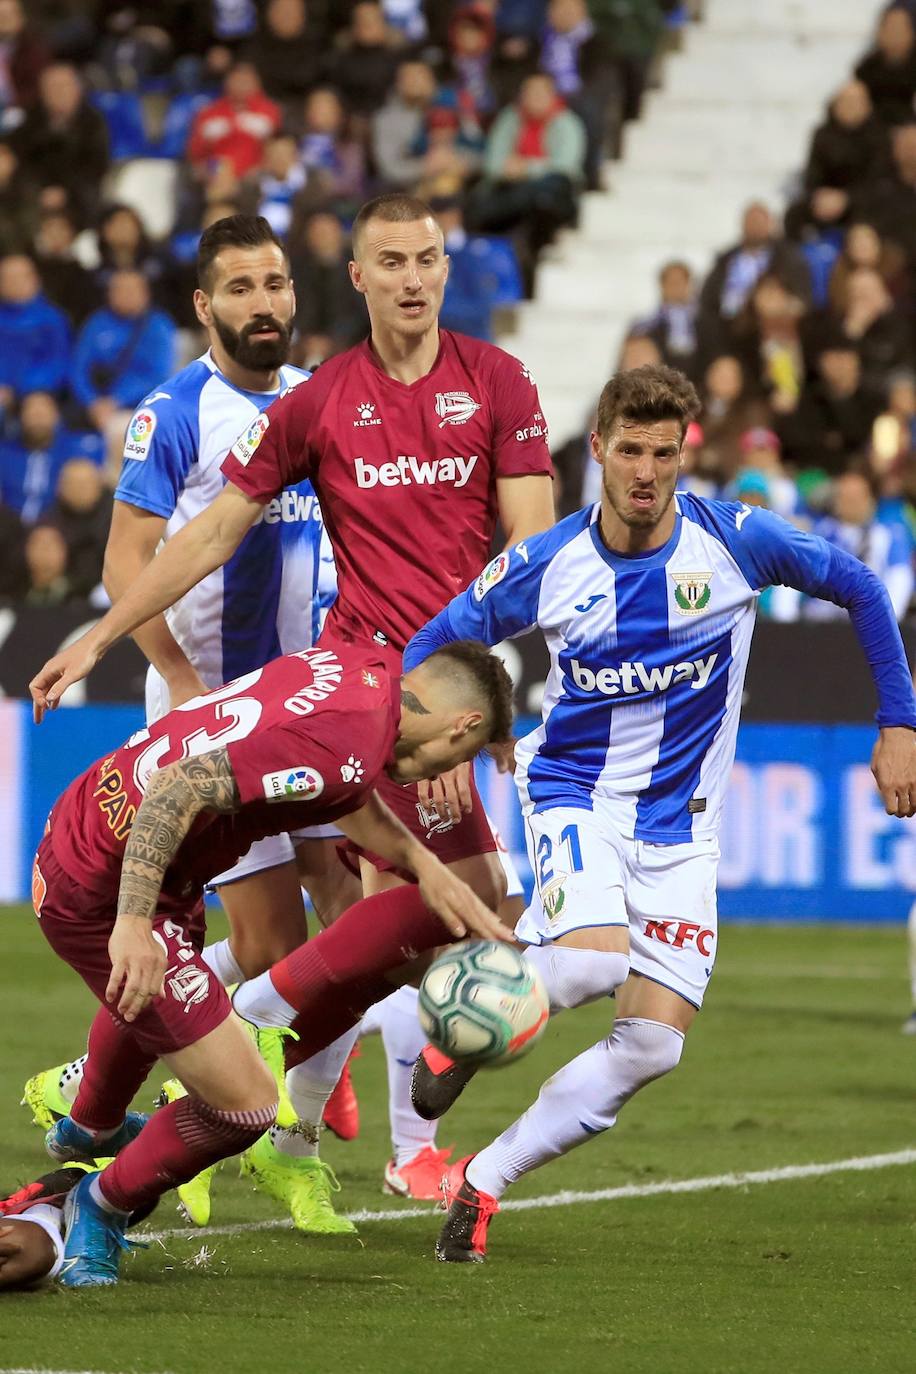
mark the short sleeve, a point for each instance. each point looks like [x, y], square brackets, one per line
[520, 430]
[273, 452]
[160, 448]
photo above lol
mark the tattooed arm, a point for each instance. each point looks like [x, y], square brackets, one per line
[175, 797]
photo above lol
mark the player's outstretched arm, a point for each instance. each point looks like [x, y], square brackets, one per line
[376, 828]
[205, 543]
[175, 797]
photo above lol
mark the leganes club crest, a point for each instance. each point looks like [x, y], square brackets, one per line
[691, 592]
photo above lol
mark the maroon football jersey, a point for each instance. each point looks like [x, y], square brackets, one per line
[308, 737]
[406, 475]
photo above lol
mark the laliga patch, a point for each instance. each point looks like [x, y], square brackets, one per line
[494, 572]
[139, 435]
[244, 448]
[293, 784]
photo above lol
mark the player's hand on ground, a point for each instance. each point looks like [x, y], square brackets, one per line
[138, 964]
[457, 907]
[503, 755]
[60, 672]
[893, 763]
[451, 789]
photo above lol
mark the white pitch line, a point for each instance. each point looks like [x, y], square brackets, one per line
[567, 1198]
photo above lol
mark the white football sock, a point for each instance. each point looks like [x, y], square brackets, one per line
[259, 1002]
[580, 1101]
[309, 1086]
[573, 977]
[222, 961]
[403, 1039]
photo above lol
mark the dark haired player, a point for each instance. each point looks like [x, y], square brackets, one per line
[416, 441]
[118, 888]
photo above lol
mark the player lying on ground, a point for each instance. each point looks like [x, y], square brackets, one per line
[120, 873]
[647, 604]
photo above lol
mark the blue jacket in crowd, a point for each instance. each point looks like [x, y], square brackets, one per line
[28, 476]
[34, 346]
[122, 358]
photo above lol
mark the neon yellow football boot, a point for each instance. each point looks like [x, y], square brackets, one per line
[304, 1186]
[193, 1196]
[43, 1093]
[271, 1048]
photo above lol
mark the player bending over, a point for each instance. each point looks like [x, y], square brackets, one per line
[118, 887]
[646, 601]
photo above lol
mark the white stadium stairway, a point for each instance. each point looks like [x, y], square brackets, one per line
[731, 123]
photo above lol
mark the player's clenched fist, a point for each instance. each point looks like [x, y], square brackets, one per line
[60, 672]
[138, 962]
[893, 763]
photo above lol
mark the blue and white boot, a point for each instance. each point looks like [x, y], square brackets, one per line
[94, 1240]
[68, 1143]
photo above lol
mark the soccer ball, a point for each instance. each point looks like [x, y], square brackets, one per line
[483, 1001]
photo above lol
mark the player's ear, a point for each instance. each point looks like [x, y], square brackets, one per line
[202, 308]
[594, 443]
[356, 277]
[466, 723]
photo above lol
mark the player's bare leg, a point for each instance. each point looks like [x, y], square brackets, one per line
[582, 1100]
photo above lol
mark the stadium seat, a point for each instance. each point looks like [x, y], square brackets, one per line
[147, 184]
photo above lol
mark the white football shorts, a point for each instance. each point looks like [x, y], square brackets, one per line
[514, 886]
[587, 874]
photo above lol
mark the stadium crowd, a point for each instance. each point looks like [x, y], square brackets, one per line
[500, 112]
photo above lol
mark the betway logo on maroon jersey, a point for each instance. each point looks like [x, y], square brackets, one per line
[408, 470]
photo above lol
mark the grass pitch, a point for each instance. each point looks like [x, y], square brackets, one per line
[796, 1060]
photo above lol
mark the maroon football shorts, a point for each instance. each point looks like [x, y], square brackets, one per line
[448, 839]
[77, 925]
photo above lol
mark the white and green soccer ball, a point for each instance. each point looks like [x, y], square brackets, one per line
[482, 1001]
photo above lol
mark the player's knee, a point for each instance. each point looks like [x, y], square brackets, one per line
[651, 1048]
[576, 976]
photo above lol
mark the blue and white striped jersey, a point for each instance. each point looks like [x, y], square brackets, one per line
[648, 655]
[265, 601]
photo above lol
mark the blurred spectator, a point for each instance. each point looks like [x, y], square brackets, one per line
[584, 71]
[890, 205]
[286, 51]
[124, 245]
[768, 331]
[893, 435]
[451, 150]
[852, 146]
[63, 140]
[36, 334]
[23, 57]
[31, 461]
[330, 315]
[673, 324]
[276, 186]
[407, 17]
[515, 57]
[66, 282]
[833, 420]
[328, 150]
[471, 37]
[736, 272]
[365, 61]
[18, 208]
[122, 353]
[633, 29]
[638, 350]
[885, 548]
[399, 128]
[233, 129]
[483, 275]
[728, 410]
[82, 513]
[47, 583]
[761, 452]
[533, 166]
[889, 70]
[868, 320]
[522, 18]
[819, 221]
[864, 247]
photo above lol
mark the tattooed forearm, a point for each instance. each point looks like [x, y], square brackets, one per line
[411, 703]
[174, 798]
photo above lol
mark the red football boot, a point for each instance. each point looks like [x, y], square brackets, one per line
[420, 1177]
[463, 1238]
[341, 1111]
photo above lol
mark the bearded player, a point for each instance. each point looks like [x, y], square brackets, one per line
[416, 442]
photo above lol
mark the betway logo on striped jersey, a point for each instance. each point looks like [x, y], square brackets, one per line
[408, 470]
[289, 507]
[633, 678]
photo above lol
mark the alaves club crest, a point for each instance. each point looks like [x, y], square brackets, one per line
[691, 592]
